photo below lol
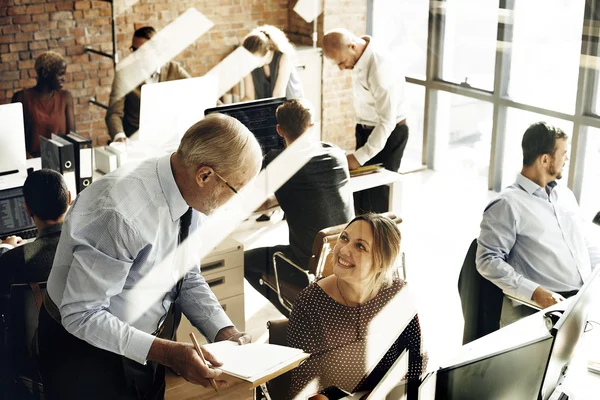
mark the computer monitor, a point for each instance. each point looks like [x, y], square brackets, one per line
[259, 117]
[516, 373]
[168, 109]
[567, 331]
[12, 139]
[13, 218]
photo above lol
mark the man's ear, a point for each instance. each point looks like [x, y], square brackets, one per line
[203, 175]
[69, 199]
[279, 130]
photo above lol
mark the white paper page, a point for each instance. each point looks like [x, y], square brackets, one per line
[252, 359]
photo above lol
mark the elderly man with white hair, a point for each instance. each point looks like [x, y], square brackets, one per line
[378, 88]
[99, 338]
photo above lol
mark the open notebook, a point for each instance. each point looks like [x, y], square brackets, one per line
[256, 363]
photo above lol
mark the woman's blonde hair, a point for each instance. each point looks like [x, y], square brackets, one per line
[266, 38]
[385, 250]
[48, 64]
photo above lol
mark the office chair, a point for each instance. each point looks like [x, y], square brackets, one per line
[480, 299]
[24, 306]
[596, 219]
[319, 265]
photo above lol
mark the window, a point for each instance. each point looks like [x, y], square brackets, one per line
[545, 53]
[590, 194]
[516, 124]
[463, 134]
[470, 42]
[405, 36]
[413, 154]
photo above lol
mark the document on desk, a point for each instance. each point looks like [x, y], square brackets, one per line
[255, 362]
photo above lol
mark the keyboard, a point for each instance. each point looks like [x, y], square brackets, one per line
[28, 234]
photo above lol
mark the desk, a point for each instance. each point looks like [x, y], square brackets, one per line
[380, 178]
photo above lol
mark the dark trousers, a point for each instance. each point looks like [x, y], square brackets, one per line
[73, 369]
[377, 199]
[259, 262]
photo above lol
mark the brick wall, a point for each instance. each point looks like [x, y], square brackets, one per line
[338, 109]
[28, 27]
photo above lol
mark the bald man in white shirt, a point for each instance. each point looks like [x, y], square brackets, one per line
[378, 89]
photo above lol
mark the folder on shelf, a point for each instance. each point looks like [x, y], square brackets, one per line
[255, 363]
[105, 160]
[119, 151]
[83, 159]
[59, 155]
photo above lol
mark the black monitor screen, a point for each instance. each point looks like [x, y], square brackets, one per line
[259, 117]
[13, 217]
[517, 373]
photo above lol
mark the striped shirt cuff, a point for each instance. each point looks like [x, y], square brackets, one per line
[215, 324]
[139, 346]
[526, 288]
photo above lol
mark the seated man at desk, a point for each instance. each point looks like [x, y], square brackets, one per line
[533, 243]
[123, 115]
[316, 197]
[46, 200]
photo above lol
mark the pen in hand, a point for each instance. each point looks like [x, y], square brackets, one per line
[197, 346]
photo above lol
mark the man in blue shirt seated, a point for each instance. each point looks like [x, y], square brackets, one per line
[107, 323]
[316, 197]
[533, 243]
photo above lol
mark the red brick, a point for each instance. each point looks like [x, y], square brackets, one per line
[26, 64]
[81, 58]
[23, 37]
[91, 13]
[31, 74]
[3, 49]
[60, 34]
[66, 24]
[7, 38]
[77, 15]
[30, 27]
[38, 45]
[24, 83]
[61, 15]
[50, 8]
[40, 17]
[21, 19]
[18, 46]
[64, 6]
[6, 84]
[37, 9]
[82, 5]
[10, 29]
[20, 10]
[74, 50]
[41, 35]
[25, 55]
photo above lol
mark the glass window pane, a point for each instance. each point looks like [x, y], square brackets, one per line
[463, 135]
[415, 98]
[470, 42]
[517, 123]
[590, 191]
[545, 53]
[402, 26]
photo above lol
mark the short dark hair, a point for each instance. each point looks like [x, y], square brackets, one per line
[539, 139]
[145, 32]
[294, 116]
[46, 194]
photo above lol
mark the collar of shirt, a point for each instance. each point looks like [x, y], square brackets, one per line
[531, 187]
[50, 229]
[363, 61]
[175, 201]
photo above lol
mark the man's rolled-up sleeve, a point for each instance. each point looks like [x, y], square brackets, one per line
[496, 240]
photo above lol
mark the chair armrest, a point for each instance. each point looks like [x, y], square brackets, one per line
[279, 254]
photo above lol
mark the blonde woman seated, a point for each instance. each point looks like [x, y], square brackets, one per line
[276, 75]
[358, 321]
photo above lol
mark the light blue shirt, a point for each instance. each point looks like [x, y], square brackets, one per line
[530, 238]
[118, 230]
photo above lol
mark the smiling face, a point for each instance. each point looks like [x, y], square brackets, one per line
[353, 252]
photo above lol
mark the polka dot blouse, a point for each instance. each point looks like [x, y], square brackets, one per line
[336, 336]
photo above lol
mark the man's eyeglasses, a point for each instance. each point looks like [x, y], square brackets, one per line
[225, 182]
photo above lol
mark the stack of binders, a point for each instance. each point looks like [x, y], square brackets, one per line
[59, 155]
[83, 159]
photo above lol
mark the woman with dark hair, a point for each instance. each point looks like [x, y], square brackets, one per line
[47, 108]
[276, 75]
[358, 321]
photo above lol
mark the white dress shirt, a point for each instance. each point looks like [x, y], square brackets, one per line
[118, 230]
[530, 238]
[378, 89]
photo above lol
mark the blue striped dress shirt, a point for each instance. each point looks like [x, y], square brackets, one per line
[120, 228]
[530, 238]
